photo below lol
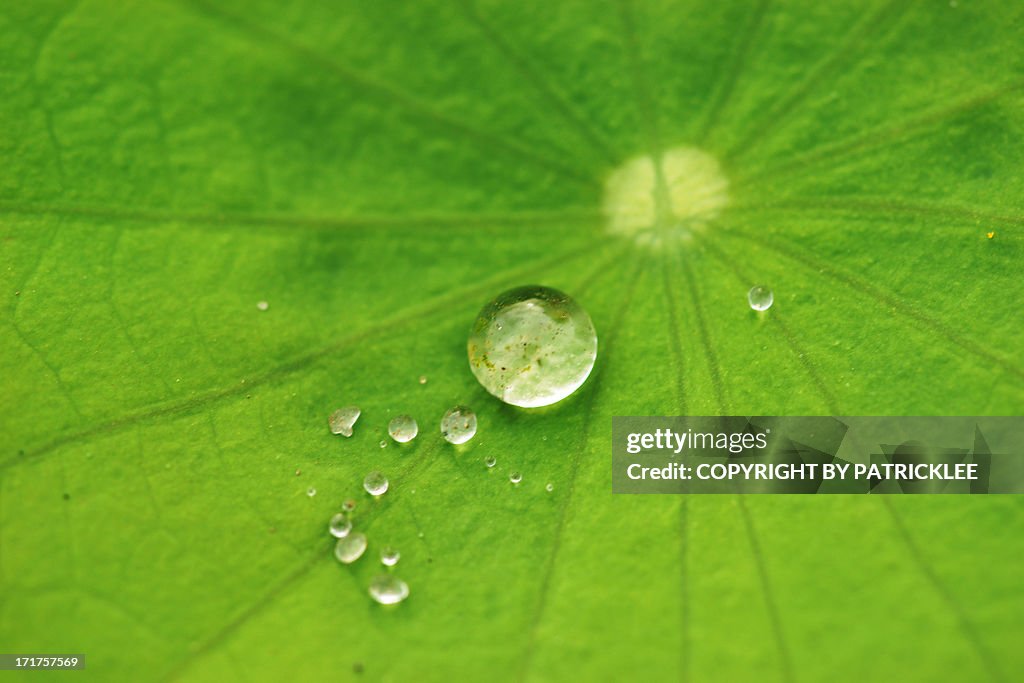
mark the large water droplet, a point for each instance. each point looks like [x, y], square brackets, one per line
[458, 425]
[403, 429]
[388, 590]
[350, 548]
[342, 420]
[532, 346]
[760, 298]
[340, 526]
[375, 483]
[389, 557]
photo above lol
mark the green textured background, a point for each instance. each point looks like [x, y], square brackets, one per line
[377, 170]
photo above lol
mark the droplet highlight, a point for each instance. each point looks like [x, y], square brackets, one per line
[760, 298]
[340, 526]
[532, 346]
[389, 557]
[458, 425]
[342, 420]
[350, 548]
[388, 590]
[375, 483]
[403, 429]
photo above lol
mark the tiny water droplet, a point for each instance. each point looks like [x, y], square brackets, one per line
[389, 556]
[383, 443]
[350, 548]
[375, 483]
[458, 425]
[349, 505]
[340, 526]
[532, 346]
[388, 590]
[342, 420]
[515, 477]
[403, 429]
[550, 487]
[760, 298]
[423, 379]
[311, 492]
[262, 305]
[490, 462]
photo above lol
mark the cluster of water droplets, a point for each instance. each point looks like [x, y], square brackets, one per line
[458, 425]
[387, 589]
[530, 347]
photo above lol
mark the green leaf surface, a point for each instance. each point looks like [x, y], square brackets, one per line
[377, 171]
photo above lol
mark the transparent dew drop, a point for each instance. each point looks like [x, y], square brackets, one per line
[403, 429]
[550, 487]
[388, 590]
[342, 420]
[490, 462]
[458, 425]
[350, 548]
[375, 483]
[389, 557]
[262, 305]
[340, 525]
[515, 477]
[760, 298]
[383, 443]
[532, 346]
[311, 492]
[423, 379]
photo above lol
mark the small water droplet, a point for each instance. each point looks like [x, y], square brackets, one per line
[349, 505]
[340, 526]
[403, 429]
[262, 305]
[550, 487]
[532, 346]
[389, 556]
[311, 492]
[350, 548]
[760, 298]
[423, 379]
[458, 425]
[375, 483]
[490, 462]
[388, 590]
[383, 443]
[342, 420]
[515, 477]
